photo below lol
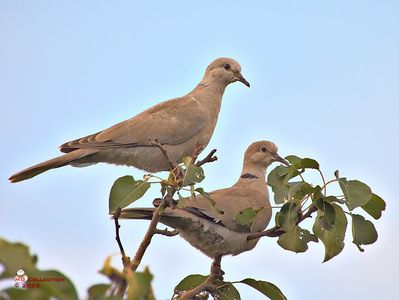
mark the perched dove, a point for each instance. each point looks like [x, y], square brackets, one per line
[216, 230]
[180, 124]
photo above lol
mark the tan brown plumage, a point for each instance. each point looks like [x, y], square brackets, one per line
[214, 229]
[179, 124]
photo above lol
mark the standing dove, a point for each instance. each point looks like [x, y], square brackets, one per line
[215, 229]
[179, 124]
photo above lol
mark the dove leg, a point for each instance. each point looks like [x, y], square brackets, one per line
[164, 152]
[216, 268]
[174, 168]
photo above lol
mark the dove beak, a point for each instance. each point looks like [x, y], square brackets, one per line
[280, 159]
[242, 79]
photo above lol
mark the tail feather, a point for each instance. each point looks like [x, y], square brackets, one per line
[137, 213]
[168, 218]
[56, 162]
[174, 218]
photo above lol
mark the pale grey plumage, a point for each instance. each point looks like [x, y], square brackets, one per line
[214, 233]
[180, 124]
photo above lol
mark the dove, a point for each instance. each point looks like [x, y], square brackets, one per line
[213, 226]
[180, 125]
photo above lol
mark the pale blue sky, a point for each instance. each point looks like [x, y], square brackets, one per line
[324, 83]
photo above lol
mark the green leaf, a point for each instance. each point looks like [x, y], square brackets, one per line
[309, 163]
[293, 241]
[299, 190]
[333, 199]
[266, 288]
[15, 256]
[227, 291]
[332, 239]
[303, 163]
[24, 294]
[375, 206]
[109, 271]
[356, 192]
[206, 196]
[317, 193]
[293, 172]
[126, 190]
[98, 291]
[282, 170]
[293, 159]
[189, 282]
[139, 285]
[308, 237]
[246, 216]
[287, 216]
[193, 175]
[279, 188]
[363, 231]
[212, 202]
[63, 288]
[327, 217]
[187, 160]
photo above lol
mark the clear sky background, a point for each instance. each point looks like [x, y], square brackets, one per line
[324, 84]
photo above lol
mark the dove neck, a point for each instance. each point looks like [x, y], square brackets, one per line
[253, 176]
[211, 86]
[210, 95]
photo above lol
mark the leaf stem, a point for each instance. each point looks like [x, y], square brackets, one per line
[277, 230]
[324, 181]
[328, 182]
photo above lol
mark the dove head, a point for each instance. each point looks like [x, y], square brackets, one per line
[262, 154]
[224, 71]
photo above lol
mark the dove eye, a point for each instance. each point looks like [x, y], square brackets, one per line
[263, 149]
[226, 67]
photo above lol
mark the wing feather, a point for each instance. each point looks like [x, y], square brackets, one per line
[171, 122]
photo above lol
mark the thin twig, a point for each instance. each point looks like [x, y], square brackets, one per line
[324, 181]
[209, 158]
[125, 259]
[277, 230]
[120, 286]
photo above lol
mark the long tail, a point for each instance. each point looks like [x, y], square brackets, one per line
[137, 213]
[56, 162]
[176, 218]
[169, 218]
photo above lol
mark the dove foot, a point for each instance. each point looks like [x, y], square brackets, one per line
[216, 269]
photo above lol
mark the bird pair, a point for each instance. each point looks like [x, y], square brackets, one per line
[180, 125]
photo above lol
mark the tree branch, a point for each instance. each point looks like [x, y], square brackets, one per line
[125, 259]
[277, 231]
[135, 262]
[150, 233]
[209, 158]
[120, 286]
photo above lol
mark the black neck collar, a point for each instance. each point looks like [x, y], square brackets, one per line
[249, 176]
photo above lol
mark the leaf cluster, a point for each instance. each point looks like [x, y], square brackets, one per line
[300, 199]
[16, 256]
